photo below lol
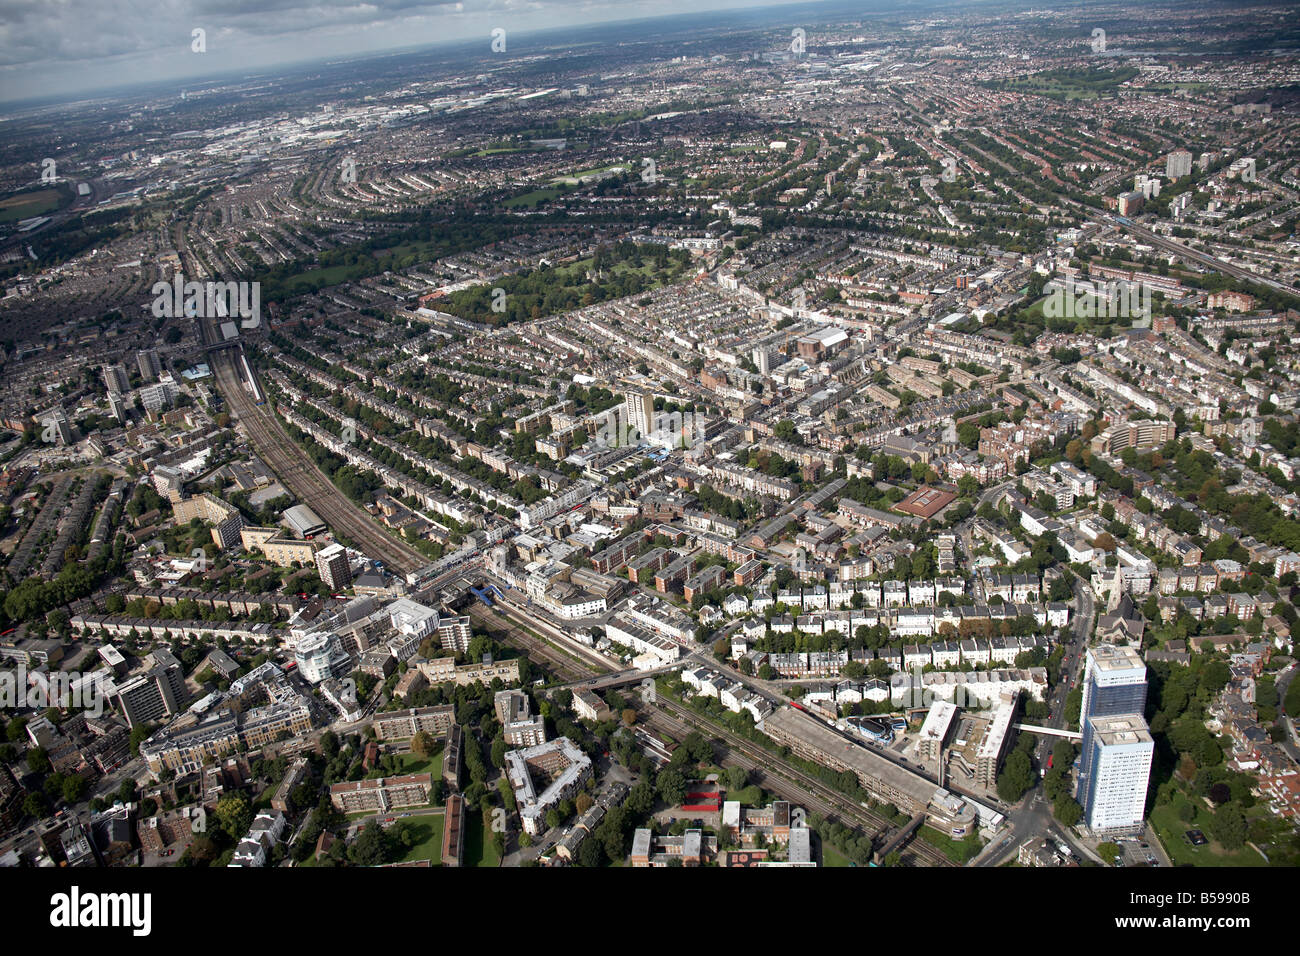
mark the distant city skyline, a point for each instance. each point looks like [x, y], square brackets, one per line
[92, 45]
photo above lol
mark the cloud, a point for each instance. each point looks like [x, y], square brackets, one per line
[50, 47]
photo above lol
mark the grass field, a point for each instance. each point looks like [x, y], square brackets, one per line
[26, 205]
[478, 851]
[1172, 829]
[412, 763]
[959, 851]
[1071, 84]
[833, 857]
[532, 199]
[428, 827]
[589, 172]
[331, 276]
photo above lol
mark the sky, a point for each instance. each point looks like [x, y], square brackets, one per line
[62, 47]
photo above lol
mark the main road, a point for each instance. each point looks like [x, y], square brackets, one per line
[1033, 816]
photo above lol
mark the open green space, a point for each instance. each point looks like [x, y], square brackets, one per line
[27, 205]
[1172, 829]
[428, 830]
[533, 198]
[614, 272]
[1066, 84]
[319, 278]
[414, 763]
[833, 857]
[959, 851]
[479, 851]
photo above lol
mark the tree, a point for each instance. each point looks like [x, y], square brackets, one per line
[202, 850]
[1017, 776]
[499, 748]
[671, 787]
[737, 777]
[368, 849]
[589, 853]
[1067, 810]
[640, 799]
[139, 734]
[38, 760]
[234, 815]
[34, 804]
[423, 744]
[629, 716]
[74, 788]
[1229, 826]
[1220, 794]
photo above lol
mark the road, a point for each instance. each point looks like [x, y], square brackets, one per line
[1033, 815]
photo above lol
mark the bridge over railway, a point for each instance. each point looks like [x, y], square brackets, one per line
[621, 678]
[900, 837]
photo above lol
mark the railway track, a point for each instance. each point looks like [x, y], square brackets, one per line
[794, 784]
[301, 476]
[766, 769]
[556, 661]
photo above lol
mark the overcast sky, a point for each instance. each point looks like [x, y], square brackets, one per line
[67, 46]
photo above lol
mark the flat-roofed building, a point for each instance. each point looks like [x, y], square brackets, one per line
[453, 756]
[814, 740]
[382, 793]
[989, 755]
[935, 729]
[543, 776]
[333, 567]
[295, 775]
[1119, 773]
[146, 698]
[590, 707]
[520, 729]
[226, 520]
[691, 848]
[442, 670]
[405, 724]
